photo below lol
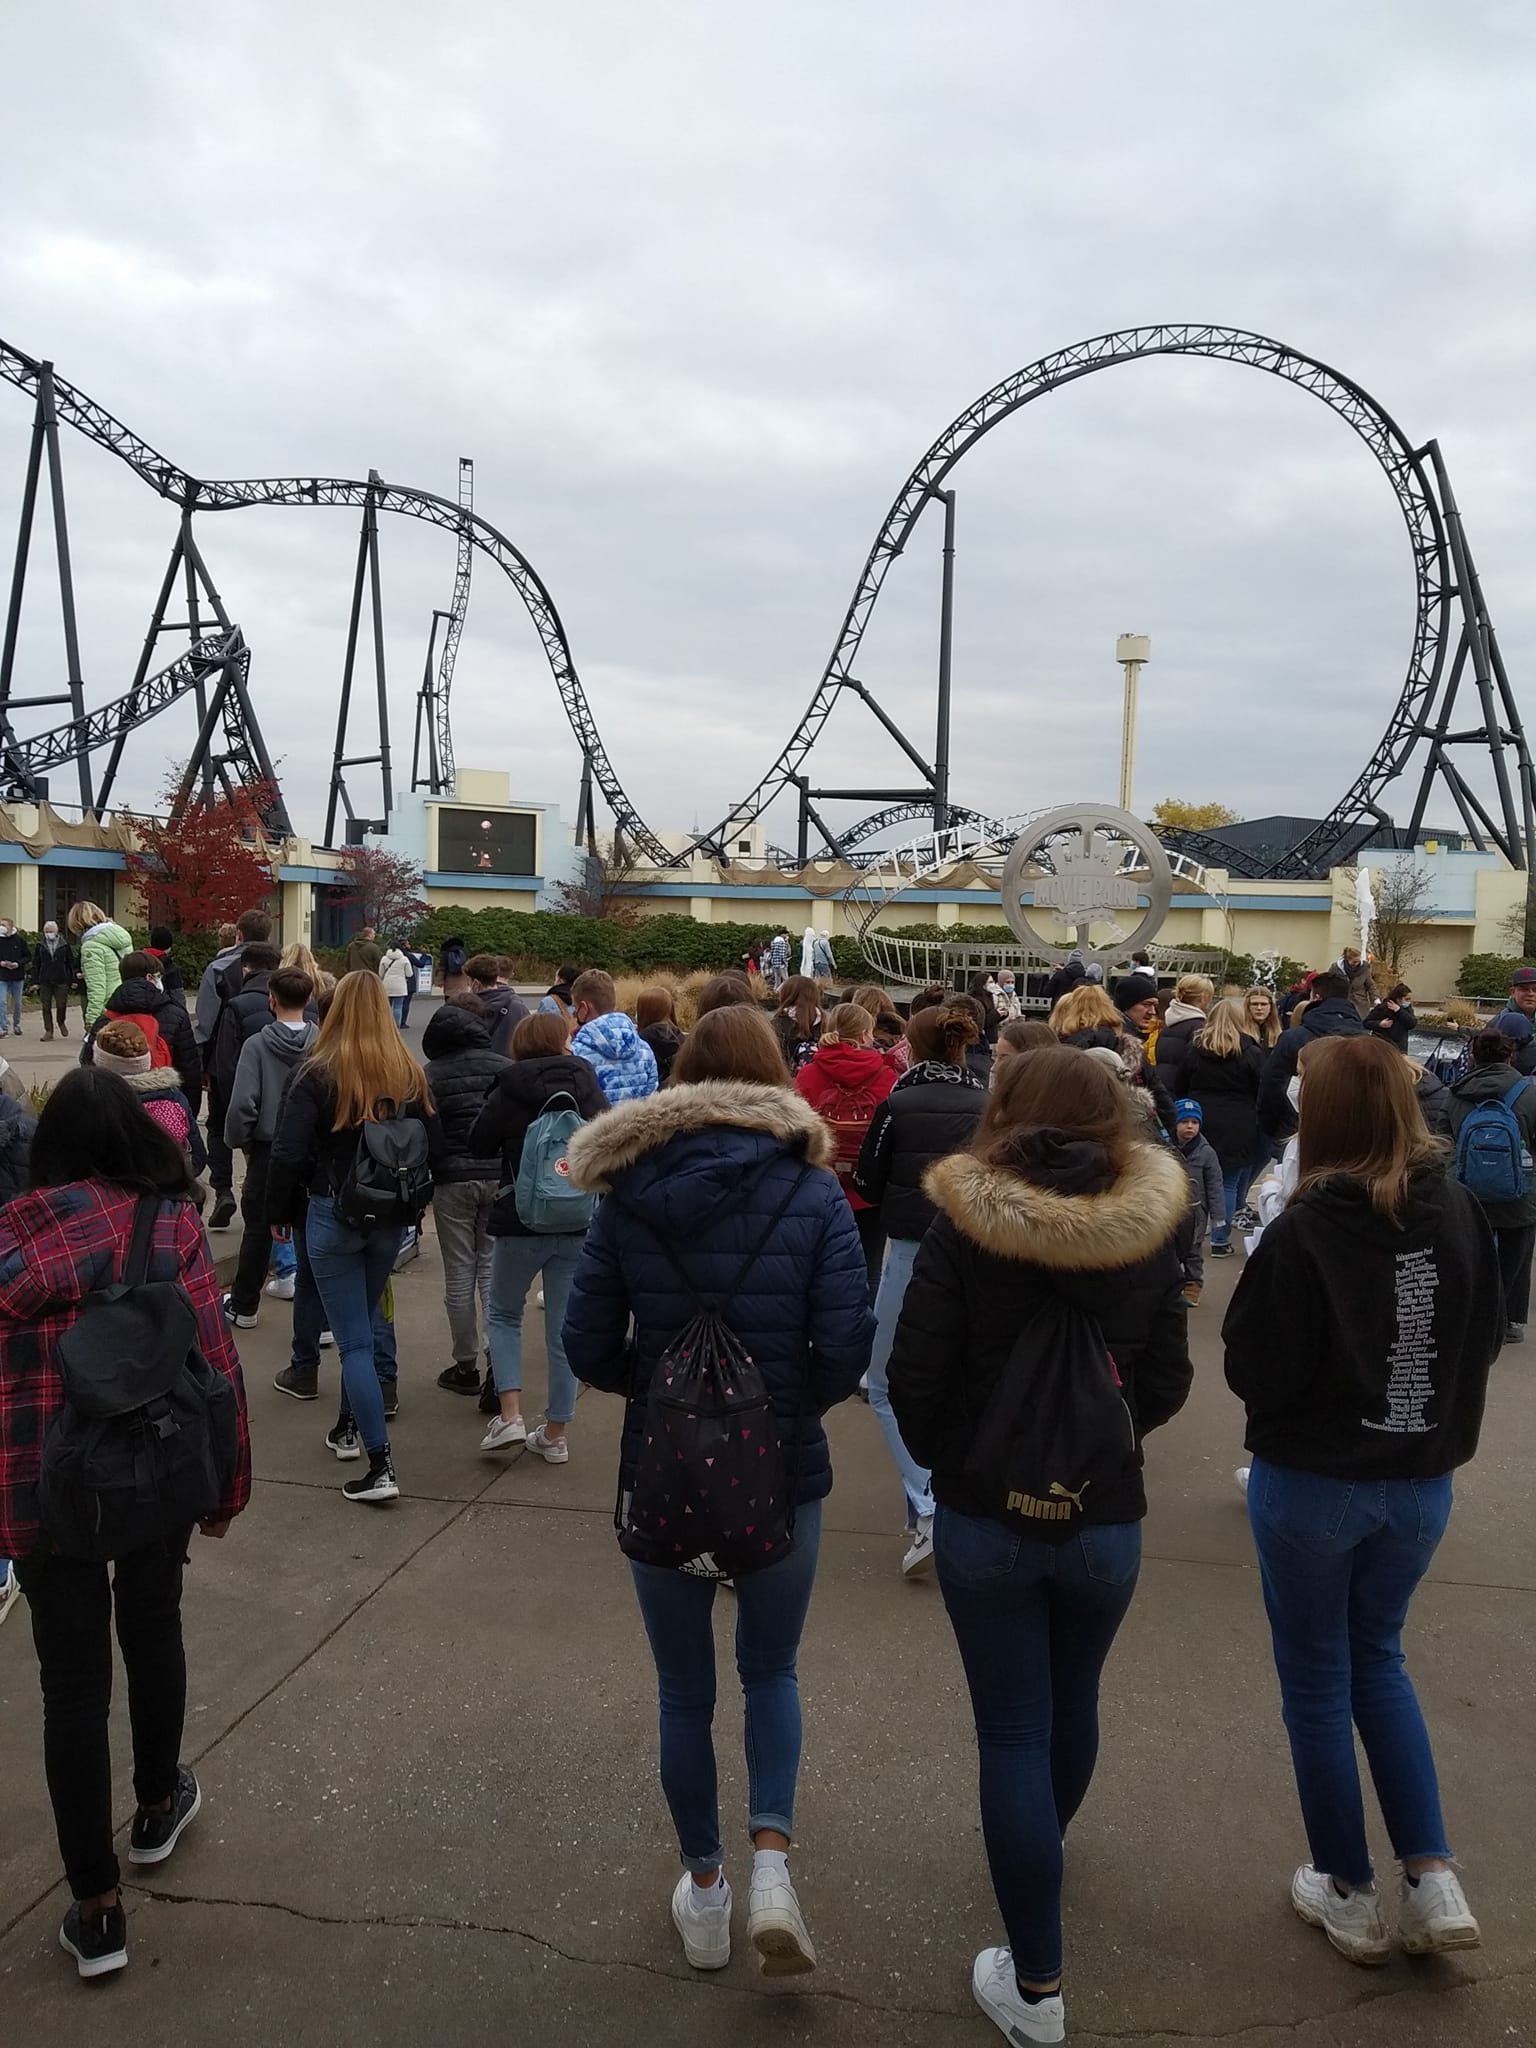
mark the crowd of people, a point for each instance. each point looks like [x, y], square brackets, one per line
[991, 1223]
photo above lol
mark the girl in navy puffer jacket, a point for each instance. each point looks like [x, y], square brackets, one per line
[707, 1164]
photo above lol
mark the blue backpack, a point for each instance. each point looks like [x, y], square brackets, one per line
[547, 1204]
[1493, 1161]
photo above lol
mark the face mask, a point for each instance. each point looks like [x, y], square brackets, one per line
[1293, 1091]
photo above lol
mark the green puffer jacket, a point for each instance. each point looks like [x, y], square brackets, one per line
[102, 947]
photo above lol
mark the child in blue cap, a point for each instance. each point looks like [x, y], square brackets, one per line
[1205, 1184]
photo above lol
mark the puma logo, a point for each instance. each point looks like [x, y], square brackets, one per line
[1058, 1507]
[1065, 1492]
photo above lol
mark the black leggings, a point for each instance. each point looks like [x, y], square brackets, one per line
[72, 1611]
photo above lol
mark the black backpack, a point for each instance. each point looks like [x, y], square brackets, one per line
[1055, 1429]
[147, 1441]
[389, 1182]
[713, 1492]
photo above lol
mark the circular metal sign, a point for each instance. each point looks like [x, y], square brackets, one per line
[1083, 849]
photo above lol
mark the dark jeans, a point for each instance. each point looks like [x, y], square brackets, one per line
[221, 1161]
[1034, 1622]
[771, 1607]
[256, 1244]
[72, 1613]
[54, 997]
[352, 1269]
[1340, 1560]
[1514, 1248]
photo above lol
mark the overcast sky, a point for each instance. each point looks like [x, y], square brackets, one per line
[696, 285]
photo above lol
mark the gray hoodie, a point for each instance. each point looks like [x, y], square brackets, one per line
[267, 1063]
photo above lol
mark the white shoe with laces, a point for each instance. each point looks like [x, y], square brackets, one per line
[995, 1989]
[1435, 1915]
[1353, 1922]
[775, 1925]
[554, 1450]
[10, 1590]
[919, 1557]
[505, 1436]
[703, 1920]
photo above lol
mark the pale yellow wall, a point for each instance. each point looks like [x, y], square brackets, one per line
[483, 899]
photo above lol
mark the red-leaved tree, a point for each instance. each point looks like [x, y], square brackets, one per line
[210, 864]
[383, 889]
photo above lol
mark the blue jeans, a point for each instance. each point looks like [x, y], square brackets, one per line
[351, 1269]
[1340, 1560]
[515, 1263]
[771, 1607]
[900, 1254]
[284, 1258]
[1034, 1622]
[1235, 1185]
[399, 1005]
[11, 1018]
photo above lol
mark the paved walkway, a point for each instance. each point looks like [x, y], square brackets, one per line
[426, 1740]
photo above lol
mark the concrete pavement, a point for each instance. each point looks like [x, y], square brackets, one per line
[426, 1740]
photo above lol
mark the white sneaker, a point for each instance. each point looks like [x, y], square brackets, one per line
[920, 1557]
[502, 1436]
[327, 1339]
[705, 1930]
[539, 1298]
[1354, 1924]
[1435, 1915]
[775, 1924]
[1242, 1475]
[282, 1285]
[554, 1450]
[10, 1591]
[995, 1989]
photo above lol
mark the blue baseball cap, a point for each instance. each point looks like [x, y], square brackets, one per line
[1188, 1111]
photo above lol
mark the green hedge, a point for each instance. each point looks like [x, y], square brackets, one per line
[1486, 975]
[538, 941]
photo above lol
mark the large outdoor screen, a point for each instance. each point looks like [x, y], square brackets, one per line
[487, 842]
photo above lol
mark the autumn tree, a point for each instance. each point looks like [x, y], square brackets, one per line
[202, 867]
[1181, 816]
[384, 889]
[604, 887]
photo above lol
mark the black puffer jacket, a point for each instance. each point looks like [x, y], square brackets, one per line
[17, 1128]
[173, 1023]
[932, 1110]
[1002, 1249]
[666, 1041]
[461, 1072]
[1335, 1017]
[241, 1018]
[1227, 1091]
[521, 1092]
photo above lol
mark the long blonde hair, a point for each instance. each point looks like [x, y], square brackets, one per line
[360, 1053]
[1222, 1033]
[298, 955]
[1085, 1008]
[1267, 1032]
[849, 1024]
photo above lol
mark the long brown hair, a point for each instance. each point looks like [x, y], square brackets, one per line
[1360, 1120]
[802, 997]
[1056, 1088]
[1267, 1032]
[654, 1006]
[360, 1053]
[733, 1044]
[1085, 1008]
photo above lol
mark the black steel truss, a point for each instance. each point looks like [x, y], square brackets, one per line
[434, 723]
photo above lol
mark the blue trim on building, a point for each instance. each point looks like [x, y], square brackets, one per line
[483, 881]
[15, 855]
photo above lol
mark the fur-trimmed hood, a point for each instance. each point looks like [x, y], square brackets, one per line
[1005, 1214]
[629, 1132]
[157, 1081]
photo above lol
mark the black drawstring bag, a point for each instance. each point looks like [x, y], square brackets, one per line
[713, 1493]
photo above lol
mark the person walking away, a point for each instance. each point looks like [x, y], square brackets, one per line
[607, 1040]
[267, 1061]
[54, 969]
[656, 1021]
[1205, 1187]
[220, 983]
[1193, 995]
[95, 1159]
[450, 965]
[17, 1129]
[357, 1075]
[363, 953]
[161, 941]
[557, 998]
[1223, 1068]
[139, 999]
[102, 946]
[797, 1021]
[778, 960]
[1393, 1018]
[461, 1072]
[397, 972]
[1329, 1014]
[1492, 1113]
[1359, 1341]
[1517, 1020]
[1050, 1269]
[15, 959]
[246, 1012]
[933, 1110]
[533, 1100]
[845, 1081]
[823, 960]
[122, 1049]
[1261, 1019]
[1362, 983]
[504, 1010]
[716, 1196]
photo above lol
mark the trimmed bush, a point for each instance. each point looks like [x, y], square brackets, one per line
[1486, 975]
[537, 941]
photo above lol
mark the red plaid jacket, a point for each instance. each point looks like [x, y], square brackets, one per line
[57, 1245]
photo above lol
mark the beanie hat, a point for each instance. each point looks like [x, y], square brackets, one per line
[121, 1033]
[1106, 1057]
[1131, 989]
[1187, 1111]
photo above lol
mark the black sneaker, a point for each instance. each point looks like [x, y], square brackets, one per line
[390, 1389]
[1222, 1251]
[377, 1484]
[343, 1439]
[301, 1381]
[237, 1318]
[490, 1400]
[155, 1835]
[459, 1379]
[223, 1211]
[97, 1941]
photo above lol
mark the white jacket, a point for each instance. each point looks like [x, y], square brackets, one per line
[395, 972]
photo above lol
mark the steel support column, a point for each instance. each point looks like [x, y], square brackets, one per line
[946, 651]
